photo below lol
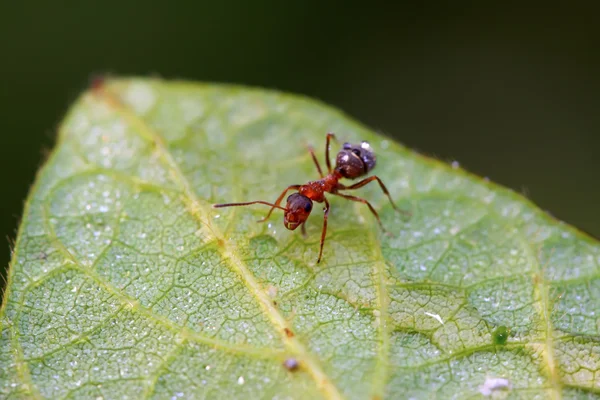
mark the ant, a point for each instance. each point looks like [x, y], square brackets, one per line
[351, 162]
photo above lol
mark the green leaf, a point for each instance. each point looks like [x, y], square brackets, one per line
[125, 282]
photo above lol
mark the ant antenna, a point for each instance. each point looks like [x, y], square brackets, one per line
[249, 203]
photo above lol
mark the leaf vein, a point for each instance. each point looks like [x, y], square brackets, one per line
[322, 381]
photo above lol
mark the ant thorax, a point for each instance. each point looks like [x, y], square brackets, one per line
[355, 160]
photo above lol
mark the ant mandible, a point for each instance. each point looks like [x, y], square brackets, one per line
[352, 162]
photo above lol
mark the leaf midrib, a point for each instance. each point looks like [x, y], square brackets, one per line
[545, 323]
[381, 369]
[310, 364]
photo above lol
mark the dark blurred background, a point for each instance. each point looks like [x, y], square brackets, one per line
[512, 93]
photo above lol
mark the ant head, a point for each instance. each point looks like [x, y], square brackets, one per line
[355, 160]
[297, 210]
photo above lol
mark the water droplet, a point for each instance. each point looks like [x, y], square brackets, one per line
[240, 380]
[291, 364]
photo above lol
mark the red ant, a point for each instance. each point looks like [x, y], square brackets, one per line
[352, 161]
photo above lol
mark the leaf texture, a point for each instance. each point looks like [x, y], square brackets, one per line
[126, 283]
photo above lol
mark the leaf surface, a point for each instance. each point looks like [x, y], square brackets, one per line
[125, 282]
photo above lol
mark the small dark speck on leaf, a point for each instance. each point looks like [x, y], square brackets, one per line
[288, 332]
[291, 364]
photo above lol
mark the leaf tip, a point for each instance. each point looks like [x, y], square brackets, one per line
[97, 82]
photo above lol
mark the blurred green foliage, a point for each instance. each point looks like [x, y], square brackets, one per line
[511, 93]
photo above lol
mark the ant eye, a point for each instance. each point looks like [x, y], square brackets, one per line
[356, 151]
[308, 207]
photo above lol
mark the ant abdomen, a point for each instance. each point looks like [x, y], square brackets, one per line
[355, 160]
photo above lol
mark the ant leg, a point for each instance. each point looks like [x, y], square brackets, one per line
[329, 136]
[304, 229]
[278, 201]
[314, 157]
[361, 200]
[325, 215]
[369, 180]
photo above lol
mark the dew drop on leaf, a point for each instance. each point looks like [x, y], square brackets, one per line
[291, 364]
